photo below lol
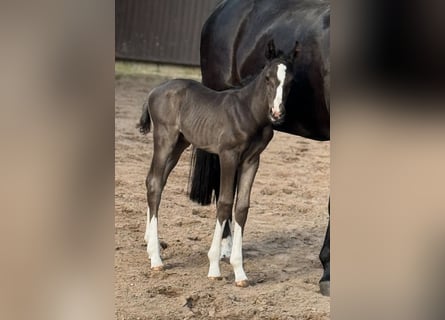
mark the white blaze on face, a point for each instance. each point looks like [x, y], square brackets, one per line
[281, 74]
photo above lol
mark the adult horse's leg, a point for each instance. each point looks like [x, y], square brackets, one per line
[246, 176]
[325, 257]
[229, 162]
[166, 152]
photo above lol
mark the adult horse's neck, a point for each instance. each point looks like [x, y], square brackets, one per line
[254, 96]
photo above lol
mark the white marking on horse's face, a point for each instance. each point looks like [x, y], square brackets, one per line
[281, 75]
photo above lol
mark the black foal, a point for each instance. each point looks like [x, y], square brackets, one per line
[235, 124]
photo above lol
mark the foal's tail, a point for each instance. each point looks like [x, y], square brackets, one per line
[144, 124]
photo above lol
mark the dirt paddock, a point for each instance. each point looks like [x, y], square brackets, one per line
[283, 236]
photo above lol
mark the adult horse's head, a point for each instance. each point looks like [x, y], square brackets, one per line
[278, 75]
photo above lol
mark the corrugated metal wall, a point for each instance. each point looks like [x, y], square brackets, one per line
[161, 30]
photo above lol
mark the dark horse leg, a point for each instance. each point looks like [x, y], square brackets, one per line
[247, 174]
[229, 162]
[325, 257]
[168, 147]
[205, 180]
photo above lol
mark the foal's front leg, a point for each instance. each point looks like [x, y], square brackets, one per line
[247, 175]
[224, 207]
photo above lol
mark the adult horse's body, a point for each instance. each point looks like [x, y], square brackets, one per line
[233, 40]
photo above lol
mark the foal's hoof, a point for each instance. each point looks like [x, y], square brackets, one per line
[157, 268]
[215, 278]
[242, 283]
[325, 288]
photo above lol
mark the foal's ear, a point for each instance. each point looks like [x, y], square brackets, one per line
[270, 50]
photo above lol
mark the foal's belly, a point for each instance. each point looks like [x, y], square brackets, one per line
[202, 129]
[214, 139]
[204, 139]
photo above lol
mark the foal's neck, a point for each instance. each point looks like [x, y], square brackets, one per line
[255, 97]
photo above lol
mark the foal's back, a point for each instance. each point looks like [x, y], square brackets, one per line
[200, 114]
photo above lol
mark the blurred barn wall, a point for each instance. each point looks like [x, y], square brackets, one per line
[161, 31]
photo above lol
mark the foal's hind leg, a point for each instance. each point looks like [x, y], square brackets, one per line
[166, 153]
[173, 159]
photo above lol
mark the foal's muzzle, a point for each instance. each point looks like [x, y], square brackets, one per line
[277, 117]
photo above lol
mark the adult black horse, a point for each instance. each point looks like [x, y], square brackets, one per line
[233, 42]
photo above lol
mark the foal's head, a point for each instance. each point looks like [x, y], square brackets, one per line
[278, 76]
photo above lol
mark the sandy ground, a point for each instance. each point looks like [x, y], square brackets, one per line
[282, 240]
